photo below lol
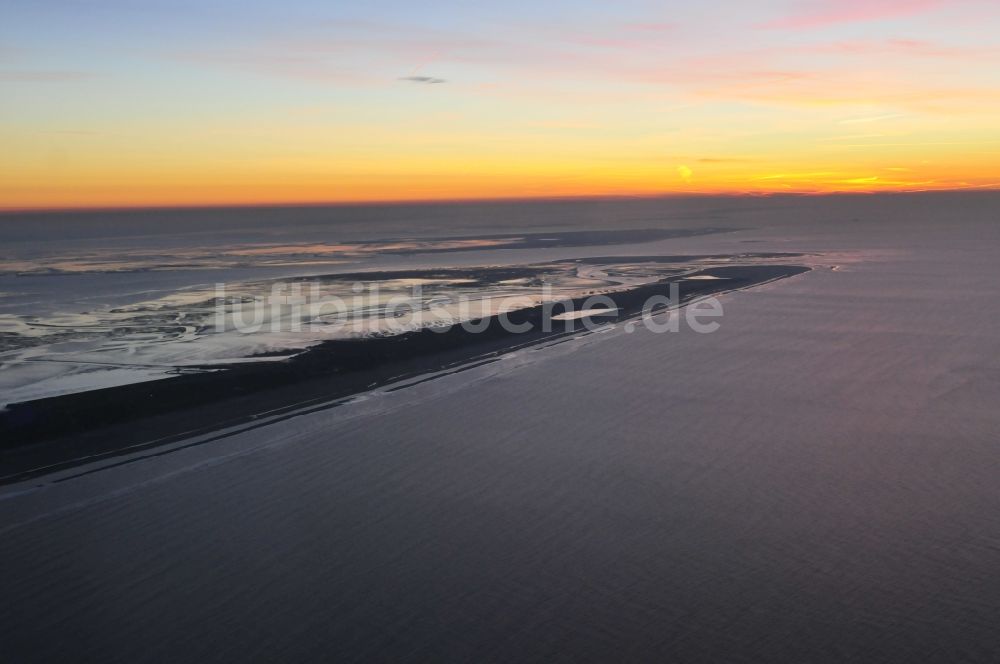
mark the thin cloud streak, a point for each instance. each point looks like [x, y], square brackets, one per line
[43, 76]
[425, 80]
[828, 13]
[874, 118]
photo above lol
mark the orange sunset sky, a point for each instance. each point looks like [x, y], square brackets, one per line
[192, 103]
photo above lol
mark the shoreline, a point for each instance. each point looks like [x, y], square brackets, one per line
[56, 433]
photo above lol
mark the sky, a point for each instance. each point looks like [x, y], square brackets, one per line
[183, 102]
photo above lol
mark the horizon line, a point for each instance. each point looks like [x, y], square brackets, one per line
[8, 211]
